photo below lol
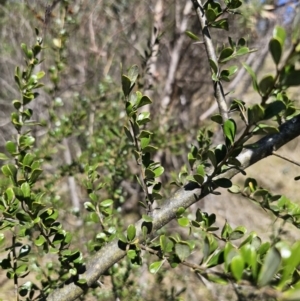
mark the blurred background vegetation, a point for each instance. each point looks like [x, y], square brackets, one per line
[82, 116]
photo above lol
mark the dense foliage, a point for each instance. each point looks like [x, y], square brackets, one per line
[101, 172]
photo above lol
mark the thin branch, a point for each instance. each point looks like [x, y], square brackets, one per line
[151, 64]
[174, 63]
[285, 158]
[71, 180]
[211, 54]
[184, 197]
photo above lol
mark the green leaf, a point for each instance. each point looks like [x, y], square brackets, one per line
[143, 118]
[166, 244]
[210, 245]
[220, 152]
[93, 197]
[266, 85]
[217, 118]
[249, 255]
[10, 274]
[291, 78]
[224, 75]
[128, 134]
[237, 105]
[40, 241]
[234, 189]
[22, 270]
[221, 24]
[223, 182]
[180, 211]
[149, 174]
[81, 281]
[232, 70]
[133, 74]
[274, 108]
[25, 189]
[3, 157]
[26, 141]
[150, 149]
[229, 129]
[242, 41]
[40, 74]
[131, 232]
[145, 134]
[192, 35]
[182, 250]
[226, 231]
[290, 263]
[279, 34]
[233, 4]
[34, 175]
[237, 267]
[255, 114]
[213, 66]
[73, 271]
[24, 251]
[196, 178]
[11, 147]
[191, 159]
[106, 203]
[145, 142]
[212, 157]
[210, 15]
[145, 100]
[24, 48]
[10, 170]
[89, 206]
[9, 194]
[265, 129]
[183, 221]
[253, 76]
[215, 259]
[216, 279]
[248, 240]
[126, 84]
[17, 104]
[275, 49]
[131, 254]
[270, 266]
[147, 218]
[225, 54]
[201, 170]
[155, 266]
[28, 159]
[158, 171]
[237, 233]
[242, 51]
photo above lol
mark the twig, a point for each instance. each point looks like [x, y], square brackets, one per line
[151, 64]
[174, 64]
[71, 180]
[285, 158]
[211, 54]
